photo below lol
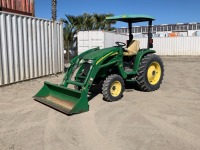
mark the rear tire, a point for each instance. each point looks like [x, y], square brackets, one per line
[150, 73]
[113, 88]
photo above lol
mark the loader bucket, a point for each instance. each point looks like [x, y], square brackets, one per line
[66, 100]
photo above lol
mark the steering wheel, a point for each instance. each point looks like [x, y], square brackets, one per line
[121, 44]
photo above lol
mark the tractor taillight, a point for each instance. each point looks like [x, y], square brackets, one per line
[150, 45]
[151, 41]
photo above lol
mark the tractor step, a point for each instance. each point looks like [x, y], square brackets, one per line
[80, 77]
[75, 83]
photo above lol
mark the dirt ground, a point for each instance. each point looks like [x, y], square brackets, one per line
[167, 119]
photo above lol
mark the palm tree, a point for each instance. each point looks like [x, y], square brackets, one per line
[69, 31]
[108, 23]
[73, 24]
[54, 9]
[100, 22]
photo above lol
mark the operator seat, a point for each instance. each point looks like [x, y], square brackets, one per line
[133, 48]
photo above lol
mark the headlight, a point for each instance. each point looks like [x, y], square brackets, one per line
[86, 61]
[90, 61]
[82, 61]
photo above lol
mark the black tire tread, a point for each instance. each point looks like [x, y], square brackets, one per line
[141, 76]
[106, 88]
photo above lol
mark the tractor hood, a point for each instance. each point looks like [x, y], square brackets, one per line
[101, 53]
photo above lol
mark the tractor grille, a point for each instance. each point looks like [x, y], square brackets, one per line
[86, 68]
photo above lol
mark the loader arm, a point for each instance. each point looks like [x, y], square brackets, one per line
[84, 69]
[90, 65]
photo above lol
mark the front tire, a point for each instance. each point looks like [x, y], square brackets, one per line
[113, 88]
[150, 73]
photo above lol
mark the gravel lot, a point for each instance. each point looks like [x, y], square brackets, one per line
[167, 119]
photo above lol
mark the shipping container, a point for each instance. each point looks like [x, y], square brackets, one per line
[29, 48]
[24, 7]
[173, 34]
[102, 39]
[183, 33]
[174, 46]
[197, 33]
[166, 46]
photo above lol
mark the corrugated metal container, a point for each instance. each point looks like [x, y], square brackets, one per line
[182, 34]
[91, 39]
[174, 45]
[197, 33]
[163, 46]
[173, 34]
[24, 7]
[29, 48]
[138, 35]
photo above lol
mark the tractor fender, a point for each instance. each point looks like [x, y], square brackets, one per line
[141, 53]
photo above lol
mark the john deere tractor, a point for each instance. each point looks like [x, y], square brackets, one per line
[111, 67]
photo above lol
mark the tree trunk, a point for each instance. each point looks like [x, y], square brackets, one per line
[53, 9]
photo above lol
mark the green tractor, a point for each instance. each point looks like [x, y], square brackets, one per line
[111, 67]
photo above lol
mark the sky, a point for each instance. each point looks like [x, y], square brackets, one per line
[165, 12]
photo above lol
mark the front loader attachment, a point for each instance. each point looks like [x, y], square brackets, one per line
[68, 101]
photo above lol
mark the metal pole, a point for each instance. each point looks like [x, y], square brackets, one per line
[149, 44]
[130, 28]
[68, 52]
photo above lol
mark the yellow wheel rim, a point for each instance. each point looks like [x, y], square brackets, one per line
[115, 88]
[154, 73]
